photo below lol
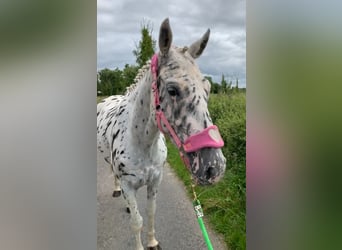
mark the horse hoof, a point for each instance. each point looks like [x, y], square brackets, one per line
[127, 210]
[157, 247]
[116, 193]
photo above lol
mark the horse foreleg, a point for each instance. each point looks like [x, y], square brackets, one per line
[152, 243]
[136, 219]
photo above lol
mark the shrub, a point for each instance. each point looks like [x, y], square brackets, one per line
[228, 112]
[224, 204]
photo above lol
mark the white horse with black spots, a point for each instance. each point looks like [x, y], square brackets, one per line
[169, 97]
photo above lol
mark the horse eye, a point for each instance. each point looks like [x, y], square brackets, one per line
[172, 91]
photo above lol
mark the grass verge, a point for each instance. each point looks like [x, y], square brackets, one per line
[100, 98]
[223, 204]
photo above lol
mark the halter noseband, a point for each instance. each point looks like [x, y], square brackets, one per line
[209, 137]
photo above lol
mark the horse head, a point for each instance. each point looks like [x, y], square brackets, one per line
[182, 103]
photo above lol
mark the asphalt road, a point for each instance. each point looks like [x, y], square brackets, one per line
[175, 221]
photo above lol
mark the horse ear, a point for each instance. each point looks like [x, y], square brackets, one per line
[165, 37]
[197, 47]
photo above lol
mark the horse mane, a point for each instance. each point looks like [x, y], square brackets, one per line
[142, 71]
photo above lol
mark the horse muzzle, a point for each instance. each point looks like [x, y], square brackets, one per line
[207, 165]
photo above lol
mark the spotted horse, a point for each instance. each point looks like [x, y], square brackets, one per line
[169, 97]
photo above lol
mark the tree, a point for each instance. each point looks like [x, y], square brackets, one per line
[210, 80]
[129, 73]
[223, 84]
[214, 87]
[110, 82]
[229, 87]
[237, 85]
[146, 47]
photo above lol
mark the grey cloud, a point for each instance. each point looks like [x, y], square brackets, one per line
[119, 26]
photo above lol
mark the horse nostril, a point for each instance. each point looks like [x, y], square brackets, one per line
[211, 172]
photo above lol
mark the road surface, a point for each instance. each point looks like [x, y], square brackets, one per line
[175, 221]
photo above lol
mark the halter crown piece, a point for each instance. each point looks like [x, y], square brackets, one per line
[208, 138]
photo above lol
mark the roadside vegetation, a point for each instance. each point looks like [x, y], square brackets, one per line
[224, 204]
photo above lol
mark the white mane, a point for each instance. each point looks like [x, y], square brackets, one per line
[141, 72]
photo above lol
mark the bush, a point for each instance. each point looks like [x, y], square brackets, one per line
[224, 204]
[228, 112]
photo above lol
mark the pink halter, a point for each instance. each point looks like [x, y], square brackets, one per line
[209, 137]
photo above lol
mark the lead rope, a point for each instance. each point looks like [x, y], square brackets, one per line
[161, 117]
[199, 213]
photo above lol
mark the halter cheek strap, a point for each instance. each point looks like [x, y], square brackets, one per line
[209, 137]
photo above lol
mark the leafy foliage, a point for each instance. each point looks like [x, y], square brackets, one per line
[224, 87]
[146, 47]
[128, 74]
[228, 112]
[224, 204]
[109, 81]
[114, 82]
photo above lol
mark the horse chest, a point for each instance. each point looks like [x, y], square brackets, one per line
[138, 168]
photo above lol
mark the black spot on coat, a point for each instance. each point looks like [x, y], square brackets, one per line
[105, 131]
[190, 107]
[114, 137]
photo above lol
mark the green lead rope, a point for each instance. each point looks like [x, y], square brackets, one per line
[199, 214]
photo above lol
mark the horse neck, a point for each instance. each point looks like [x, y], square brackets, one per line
[142, 125]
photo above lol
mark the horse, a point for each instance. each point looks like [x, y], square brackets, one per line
[169, 97]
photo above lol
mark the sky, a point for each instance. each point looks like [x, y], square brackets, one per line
[119, 23]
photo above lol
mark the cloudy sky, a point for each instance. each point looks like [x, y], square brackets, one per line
[119, 23]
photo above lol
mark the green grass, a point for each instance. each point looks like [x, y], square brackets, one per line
[223, 204]
[99, 98]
